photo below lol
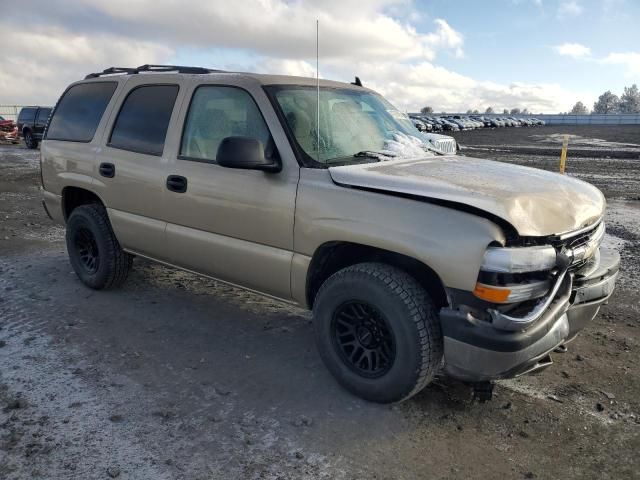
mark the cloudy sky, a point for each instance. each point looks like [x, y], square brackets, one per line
[453, 55]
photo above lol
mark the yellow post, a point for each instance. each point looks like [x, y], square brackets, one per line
[563, 154]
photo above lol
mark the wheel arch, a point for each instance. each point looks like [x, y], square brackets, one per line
[73, 197]
[331, 257]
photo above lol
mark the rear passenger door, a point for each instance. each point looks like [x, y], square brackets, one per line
[131, 165]
[236, 225]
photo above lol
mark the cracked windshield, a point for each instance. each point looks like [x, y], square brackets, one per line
[353, 124]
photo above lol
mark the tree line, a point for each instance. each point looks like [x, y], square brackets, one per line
[489, 110]
[628, 102]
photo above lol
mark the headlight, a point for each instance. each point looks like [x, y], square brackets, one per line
[519, 259]
[515, 260]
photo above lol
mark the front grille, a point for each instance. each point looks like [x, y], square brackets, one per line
[576, 242]
[446, 145]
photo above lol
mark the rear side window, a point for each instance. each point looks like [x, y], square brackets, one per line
[27, 115]
[79, 111]
[143, 120]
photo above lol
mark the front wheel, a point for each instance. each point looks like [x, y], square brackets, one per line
[94, 251]
[378, 332]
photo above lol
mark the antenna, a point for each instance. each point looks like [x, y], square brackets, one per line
[318, 88]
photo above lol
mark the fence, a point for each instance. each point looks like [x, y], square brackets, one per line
[10, 112]
[593, 119]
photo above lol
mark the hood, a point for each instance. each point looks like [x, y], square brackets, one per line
[535, 202]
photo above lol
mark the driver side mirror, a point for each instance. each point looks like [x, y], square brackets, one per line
[245, 153]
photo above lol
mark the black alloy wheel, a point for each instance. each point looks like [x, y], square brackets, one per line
[363, 339]
[94, 251]
[87, 249]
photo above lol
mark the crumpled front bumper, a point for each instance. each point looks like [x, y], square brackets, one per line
[9, 135]
[474, 350]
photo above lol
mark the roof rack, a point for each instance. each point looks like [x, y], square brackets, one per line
[152, 68]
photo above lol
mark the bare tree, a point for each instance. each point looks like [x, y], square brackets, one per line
[630, 100]
[607, 103]
[505, 112]
[469, 112]
[476, 112]
[426, 110]
[579, 109]
[489, 110]
[515, 111]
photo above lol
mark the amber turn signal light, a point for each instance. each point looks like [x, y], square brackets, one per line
[491, 294]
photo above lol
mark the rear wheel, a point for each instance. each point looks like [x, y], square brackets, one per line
[29, 140]
[94, 251]
[378, 332]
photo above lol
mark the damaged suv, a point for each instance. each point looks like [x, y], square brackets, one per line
[323, 194]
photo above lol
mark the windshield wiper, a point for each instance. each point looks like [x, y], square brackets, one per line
[375, 154]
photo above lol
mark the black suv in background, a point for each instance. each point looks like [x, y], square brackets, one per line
[31, 124]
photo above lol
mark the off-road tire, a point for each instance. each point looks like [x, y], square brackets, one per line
[408, 312]
[29, 140]
[113, 264]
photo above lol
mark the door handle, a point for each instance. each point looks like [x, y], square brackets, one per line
[107, 170]
[176, 183]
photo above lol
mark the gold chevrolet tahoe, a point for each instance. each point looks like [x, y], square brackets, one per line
[414, 260]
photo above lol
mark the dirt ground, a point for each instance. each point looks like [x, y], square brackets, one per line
[180, 377]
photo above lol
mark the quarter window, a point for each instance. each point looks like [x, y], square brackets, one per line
[79, 111]
[143, 120]
[219, 112]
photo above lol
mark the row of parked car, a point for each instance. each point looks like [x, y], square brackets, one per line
[30, 126]
[439, 123]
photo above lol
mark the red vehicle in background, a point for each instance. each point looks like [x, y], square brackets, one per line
[8, 130]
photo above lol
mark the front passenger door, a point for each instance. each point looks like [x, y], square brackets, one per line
[235, 225]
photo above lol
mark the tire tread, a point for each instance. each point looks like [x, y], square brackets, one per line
[120, 262]
[421, 313]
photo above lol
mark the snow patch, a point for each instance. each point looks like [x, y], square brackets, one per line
[405, 146]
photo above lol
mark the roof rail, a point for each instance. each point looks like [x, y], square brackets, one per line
[111, 71]
[152, 68]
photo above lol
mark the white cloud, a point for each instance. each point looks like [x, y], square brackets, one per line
[278, 28]
[37, 65]
[412, 86]
[446, 38]
[62, 41]
[298, 68]
[569, 8]
[629, 60]
[575, 50]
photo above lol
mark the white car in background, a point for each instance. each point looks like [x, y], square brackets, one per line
[443, 143]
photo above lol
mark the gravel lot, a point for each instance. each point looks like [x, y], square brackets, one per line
[180, 377]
